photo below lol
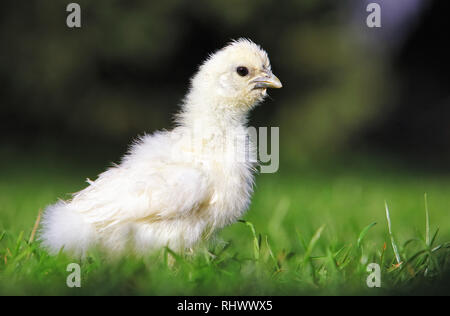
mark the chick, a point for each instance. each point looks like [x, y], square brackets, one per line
[174, 188]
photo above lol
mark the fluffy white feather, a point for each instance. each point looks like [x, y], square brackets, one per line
[174, 188]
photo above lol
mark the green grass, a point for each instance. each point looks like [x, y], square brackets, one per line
[309, 231]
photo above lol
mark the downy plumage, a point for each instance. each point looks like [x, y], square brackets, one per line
[175, 188]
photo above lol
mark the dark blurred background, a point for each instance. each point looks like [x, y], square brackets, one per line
[347, 88]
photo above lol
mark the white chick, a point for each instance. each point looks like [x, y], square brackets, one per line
[174, 188]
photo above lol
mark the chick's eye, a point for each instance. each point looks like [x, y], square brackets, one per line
[242, 71]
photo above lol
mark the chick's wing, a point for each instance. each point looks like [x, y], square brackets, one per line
[162, 192]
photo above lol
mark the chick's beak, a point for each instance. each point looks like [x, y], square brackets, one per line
[268, 80]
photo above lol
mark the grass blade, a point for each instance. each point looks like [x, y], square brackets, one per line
[302, 240]
[272, 256]
[394, 245]
[409, 241]
[434, 238]
[35, 227]
[18, 243]
[313, 242]
[427, 222]
[256, 240]
[364, 232]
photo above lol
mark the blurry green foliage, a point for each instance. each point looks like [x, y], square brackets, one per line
[125, 71]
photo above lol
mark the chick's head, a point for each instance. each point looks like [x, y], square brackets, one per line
[238, 75]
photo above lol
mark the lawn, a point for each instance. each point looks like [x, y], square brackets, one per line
[310, 230]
